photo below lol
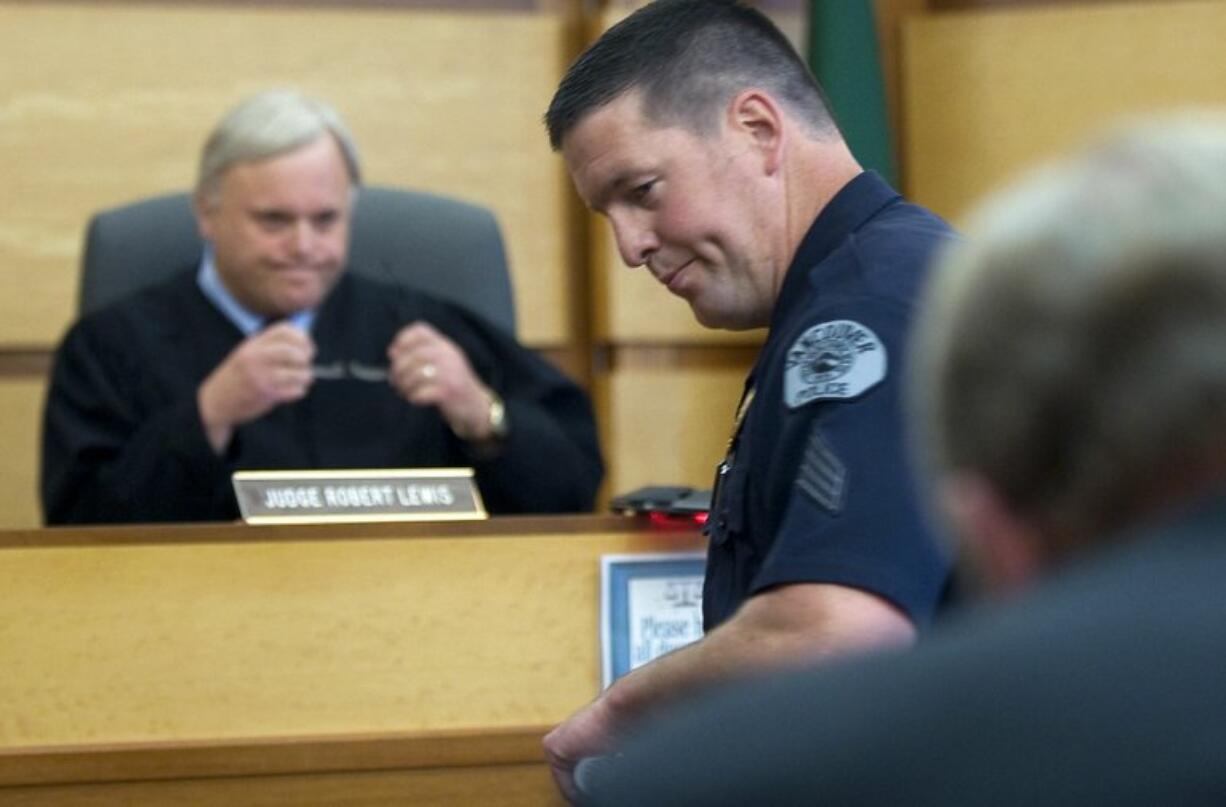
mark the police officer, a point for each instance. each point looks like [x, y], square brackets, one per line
[698, 132]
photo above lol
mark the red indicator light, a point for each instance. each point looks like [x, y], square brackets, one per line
[678, 520]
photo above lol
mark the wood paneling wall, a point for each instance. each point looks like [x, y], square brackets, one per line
[987, 93]
[21, 405]
[335, 664]
[302, 631]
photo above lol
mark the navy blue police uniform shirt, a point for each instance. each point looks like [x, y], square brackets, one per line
[817, 486]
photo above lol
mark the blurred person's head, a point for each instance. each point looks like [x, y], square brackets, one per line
[274, 198]
[1070, 369]
[695, 127]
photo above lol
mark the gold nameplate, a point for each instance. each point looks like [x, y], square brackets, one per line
[328, 497]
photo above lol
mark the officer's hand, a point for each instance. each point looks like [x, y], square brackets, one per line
[428, 369]
[267, 369]
[587, 733]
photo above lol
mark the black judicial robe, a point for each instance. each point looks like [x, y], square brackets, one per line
[123, 441]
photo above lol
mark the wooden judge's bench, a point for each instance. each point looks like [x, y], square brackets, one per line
[309, 665]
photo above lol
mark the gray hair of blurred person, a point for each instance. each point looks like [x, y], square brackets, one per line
[267, 125]
[687, 58]
[1072, 351]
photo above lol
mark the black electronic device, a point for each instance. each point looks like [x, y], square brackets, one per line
[666, 500]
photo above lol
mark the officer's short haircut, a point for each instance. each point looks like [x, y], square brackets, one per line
[1072, 351]
[688, 58]
[269, 124]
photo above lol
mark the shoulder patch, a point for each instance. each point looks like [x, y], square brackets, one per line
[833, 361]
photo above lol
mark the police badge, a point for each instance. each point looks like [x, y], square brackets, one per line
[832, 360]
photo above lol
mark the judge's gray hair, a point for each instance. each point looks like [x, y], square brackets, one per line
[269, 124]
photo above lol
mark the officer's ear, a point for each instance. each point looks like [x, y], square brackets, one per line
[754, 117]
[1004, 549]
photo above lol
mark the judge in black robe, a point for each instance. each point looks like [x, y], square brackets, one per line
[124, 441]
